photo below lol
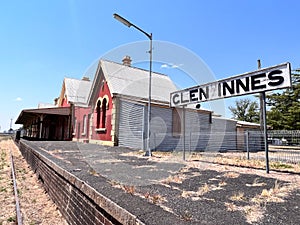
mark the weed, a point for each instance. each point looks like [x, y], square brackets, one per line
[147, 195]
[253, 213]
[174, 179]
[230, 206]
[195, 195]
[129, 189]
[231, 175]
[3, 189]
[237, 197]
[279, 165]
[222, 183]
[11, 219]
[187, 216]
[156, 198]
[93, 172]
[256, 183]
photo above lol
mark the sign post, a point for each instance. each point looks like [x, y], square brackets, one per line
[259, 81]
[265, 130]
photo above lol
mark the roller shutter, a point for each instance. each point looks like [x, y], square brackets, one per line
[131, 128]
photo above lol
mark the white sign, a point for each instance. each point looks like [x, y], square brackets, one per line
[271, 78]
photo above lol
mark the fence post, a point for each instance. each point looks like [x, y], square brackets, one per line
[154, 141]
[247, 144]
[183, 132]
[190, 147]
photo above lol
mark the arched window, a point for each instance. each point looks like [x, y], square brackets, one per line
[84, 125]
[98, 111]
[103, 120]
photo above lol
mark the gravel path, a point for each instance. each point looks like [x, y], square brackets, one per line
[36, 206]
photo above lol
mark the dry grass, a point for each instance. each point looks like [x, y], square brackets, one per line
[238, 197]
[7, 212]
[186, 215]
[255, 211]
[231, 174]
[275, 194]
[256, 183]
[202, 190]
[36, 206]
[178, 178]
[129, 189]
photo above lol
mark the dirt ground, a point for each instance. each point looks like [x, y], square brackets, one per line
[36, 206]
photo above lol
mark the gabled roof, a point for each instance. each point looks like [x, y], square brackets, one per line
[132, 81]
[76, 91]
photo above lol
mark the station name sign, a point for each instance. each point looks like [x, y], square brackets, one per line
[267, 79]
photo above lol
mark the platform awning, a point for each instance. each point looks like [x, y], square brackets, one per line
[28, 115]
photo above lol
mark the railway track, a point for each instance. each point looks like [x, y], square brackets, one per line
[18, 209]
[23, 199]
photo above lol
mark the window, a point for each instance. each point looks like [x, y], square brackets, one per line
[101, 111]
[84, 125]
[176, 122]
[103, 121]
[98, 111]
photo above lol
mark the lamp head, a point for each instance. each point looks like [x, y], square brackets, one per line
[122, 20]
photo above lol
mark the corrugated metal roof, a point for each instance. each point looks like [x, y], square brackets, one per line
[132, 81]
[77, 91]
[28, 114]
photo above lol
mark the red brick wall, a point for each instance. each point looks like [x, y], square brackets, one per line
[101, 135]
[80, 113]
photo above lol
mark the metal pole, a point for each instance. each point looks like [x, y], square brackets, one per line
[149, 99]
[265, 131]
[190, 144]
[263, 121]
[183, 131]
[129, 24]
[247, 144]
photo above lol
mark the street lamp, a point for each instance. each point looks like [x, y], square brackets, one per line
[129, 24]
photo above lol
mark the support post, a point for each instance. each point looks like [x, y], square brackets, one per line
[41, 126]
[247, 144]
[183, 130]
[263, 121]
[265, 131]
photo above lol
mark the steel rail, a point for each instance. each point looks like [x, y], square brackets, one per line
[18, 210]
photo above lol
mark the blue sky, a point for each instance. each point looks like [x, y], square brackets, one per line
[42, 42]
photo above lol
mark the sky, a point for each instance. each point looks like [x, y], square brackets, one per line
[42, 42]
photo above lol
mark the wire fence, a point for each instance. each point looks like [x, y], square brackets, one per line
[283, 146]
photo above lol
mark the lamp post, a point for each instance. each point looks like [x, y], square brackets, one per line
[129, 24]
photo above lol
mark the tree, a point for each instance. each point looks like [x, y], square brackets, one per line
[245, 110]
[284, 111]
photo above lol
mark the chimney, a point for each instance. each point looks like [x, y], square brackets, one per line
[85, 78]
[126, 61]
[56, 101]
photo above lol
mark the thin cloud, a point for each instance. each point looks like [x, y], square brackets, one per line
[164, 66]
[18, 99]
[171, 66]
